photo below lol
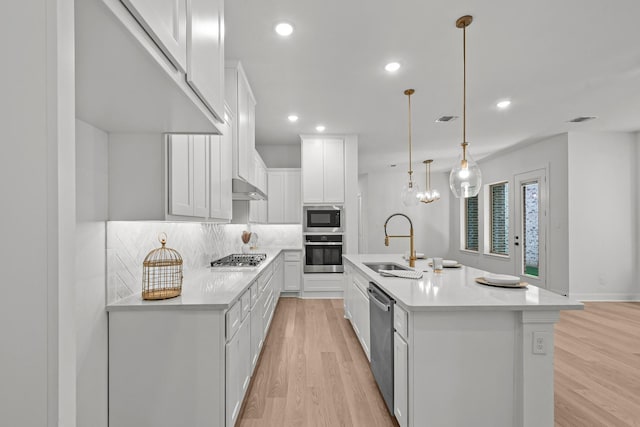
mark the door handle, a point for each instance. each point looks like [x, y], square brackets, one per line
[372, 297]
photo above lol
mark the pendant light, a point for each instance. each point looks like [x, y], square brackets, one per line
[465, 178]
[429, 195]
[410, 192]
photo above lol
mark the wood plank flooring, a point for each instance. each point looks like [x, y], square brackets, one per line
[313, 372]
[597, 366]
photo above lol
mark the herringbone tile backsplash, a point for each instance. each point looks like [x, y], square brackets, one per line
[129, 242]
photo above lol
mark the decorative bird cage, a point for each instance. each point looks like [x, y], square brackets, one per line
[162, 273]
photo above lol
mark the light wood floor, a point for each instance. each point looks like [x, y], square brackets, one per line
[313, 372]
[597, 366]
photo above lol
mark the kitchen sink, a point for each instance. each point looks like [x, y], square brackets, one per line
[377, 266]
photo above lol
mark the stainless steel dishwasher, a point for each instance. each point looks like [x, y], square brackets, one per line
[381, 320]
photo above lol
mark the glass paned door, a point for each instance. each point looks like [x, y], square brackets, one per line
[529, 238]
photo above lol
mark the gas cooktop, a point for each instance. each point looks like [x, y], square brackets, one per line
[240, 260]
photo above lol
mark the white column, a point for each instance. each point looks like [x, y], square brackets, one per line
[534, 371]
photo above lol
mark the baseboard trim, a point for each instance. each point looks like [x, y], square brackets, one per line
[606, 297]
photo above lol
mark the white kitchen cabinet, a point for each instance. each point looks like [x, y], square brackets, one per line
[220, 172]
[257, 337]
[189, 175]
[242, 102]
[292, 270]
[348, 292]
[285, 201]
[400, 379]
[205, 52]
[201, 182]
[323, 282]
[166, 23]
[359, 302]
[322, 170]
[238, 370]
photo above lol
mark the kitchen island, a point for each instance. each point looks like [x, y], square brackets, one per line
[188, 361]
[464, 353]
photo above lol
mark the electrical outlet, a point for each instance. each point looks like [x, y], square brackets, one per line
[539, 343]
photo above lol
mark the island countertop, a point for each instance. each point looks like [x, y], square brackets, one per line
[204, 288]
[455, 289]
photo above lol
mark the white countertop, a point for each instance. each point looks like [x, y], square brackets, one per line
[456, 289]
[203, 289]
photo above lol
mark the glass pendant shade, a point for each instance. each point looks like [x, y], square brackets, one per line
[410, 194]
[465, 178]
[429, 195]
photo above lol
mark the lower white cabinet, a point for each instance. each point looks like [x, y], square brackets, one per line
[292, 270]
[324, 282]
[257, 338]
[238, 370]
[400, 379]
[357, 308]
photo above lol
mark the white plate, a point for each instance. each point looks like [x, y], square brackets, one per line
[501, 279]
[449, 263]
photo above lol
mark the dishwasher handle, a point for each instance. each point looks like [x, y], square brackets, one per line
[381, 305]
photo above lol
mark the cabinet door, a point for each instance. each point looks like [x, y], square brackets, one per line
[233, 384]
[292, 198]
[244, 345]
[312, 171]
[220, 175]
[400, 379]
[180, 175]
[205, 52]
[276, 194]
[245, 152]
[256, 332]
[292, 275]
[333, 170]
[200, 175]
[166, 23]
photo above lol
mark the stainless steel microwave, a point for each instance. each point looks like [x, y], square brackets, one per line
[322, 219]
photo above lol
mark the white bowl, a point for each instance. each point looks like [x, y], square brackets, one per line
[501, 279]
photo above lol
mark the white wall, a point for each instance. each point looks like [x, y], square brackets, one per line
[351, 192]
[551, 154]
[381, 198]
[92, 152]
[637, 273]
[280, 156]
[603, 221]
[37, 220]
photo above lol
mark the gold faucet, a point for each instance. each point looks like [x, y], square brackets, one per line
[412, 252]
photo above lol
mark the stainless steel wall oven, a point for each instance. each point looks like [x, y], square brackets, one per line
[323, 253]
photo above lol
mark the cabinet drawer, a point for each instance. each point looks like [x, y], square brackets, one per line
[400, 321]
[245, 302]
[254, 293]
[360, 283]
[233, 319]
[293, 256]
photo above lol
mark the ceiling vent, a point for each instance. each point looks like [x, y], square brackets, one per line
[581, 119]
[445, 119]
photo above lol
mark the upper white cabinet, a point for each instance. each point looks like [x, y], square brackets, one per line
[285, 199]
[205, 51]
[240, 98]
[136, 58]
[322, 170]
[166, 23]
[220, 171]
[188, 163]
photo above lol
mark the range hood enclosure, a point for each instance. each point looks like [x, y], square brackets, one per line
[242, 190]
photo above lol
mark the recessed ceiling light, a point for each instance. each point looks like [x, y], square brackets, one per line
[293, 118]
[284, 29]
[503, 104]
[320, 128]
[392, 67]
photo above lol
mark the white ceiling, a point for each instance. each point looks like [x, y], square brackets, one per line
[554, 59]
